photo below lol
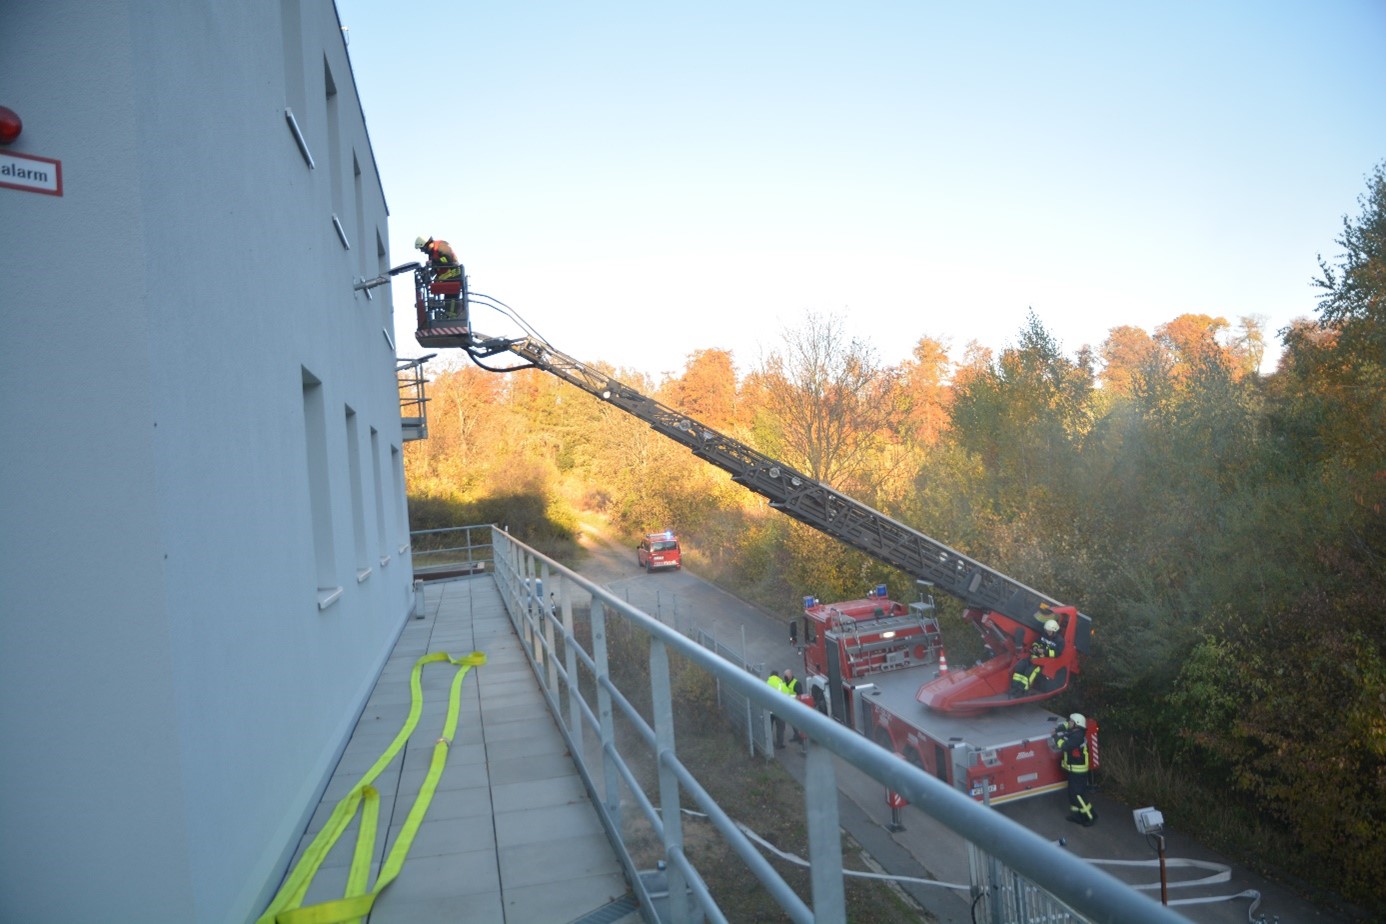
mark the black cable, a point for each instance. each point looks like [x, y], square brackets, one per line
[476, 359]
[972, 912]
[492, 302]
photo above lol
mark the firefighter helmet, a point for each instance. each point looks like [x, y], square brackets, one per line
[419, 243]
[1077, 719]
[1051, 626]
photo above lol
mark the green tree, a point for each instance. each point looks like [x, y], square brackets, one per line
[1025, 415]
[1349, 377]
[1353, 300]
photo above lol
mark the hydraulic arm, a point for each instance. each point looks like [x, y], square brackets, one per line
[791, 491]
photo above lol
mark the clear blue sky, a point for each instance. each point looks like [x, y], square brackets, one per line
[642, 180]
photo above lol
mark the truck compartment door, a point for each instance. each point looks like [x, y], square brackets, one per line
[834, 665]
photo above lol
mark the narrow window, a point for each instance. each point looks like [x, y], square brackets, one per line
[377, 480]
[295, 96]
[334, 154]
[358, 513]
[401, 506]
[359, 197]
[319, 489]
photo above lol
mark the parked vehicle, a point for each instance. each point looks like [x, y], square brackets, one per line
[659, 550]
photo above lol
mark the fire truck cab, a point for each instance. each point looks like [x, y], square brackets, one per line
[850, 641]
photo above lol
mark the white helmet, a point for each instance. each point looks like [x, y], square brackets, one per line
[1051, 626]
[419, 243]
[1077, 719]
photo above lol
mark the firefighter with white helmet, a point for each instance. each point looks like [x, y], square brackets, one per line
[1027, 675]
[440, 257]
[1071, 739]
[442, 265]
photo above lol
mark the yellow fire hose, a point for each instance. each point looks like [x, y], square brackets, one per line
[357, 901]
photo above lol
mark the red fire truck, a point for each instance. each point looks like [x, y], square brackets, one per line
[880, 667]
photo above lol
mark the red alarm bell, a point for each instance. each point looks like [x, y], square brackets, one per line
[10, 125]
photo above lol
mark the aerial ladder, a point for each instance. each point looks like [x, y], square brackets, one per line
[1002, 609]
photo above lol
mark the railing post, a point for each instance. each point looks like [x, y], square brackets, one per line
[548, 630]
[604, 718]
[663, 702]
[528, 609]
[570, 662]
[825, 837]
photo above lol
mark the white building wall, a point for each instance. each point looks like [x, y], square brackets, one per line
[179, 666]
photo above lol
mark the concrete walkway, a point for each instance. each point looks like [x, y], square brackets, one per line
[511, 835]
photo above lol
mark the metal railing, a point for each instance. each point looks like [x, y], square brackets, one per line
[413, 396]
[452, 551]
[539, 596]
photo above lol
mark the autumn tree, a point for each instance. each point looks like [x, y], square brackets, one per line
[706, 390]
[1191, 343]
[831, 396]
[462, 429]
[927, 396]
[1248, 345]
[1130, 358]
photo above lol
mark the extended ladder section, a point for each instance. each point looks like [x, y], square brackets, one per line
[793, 492]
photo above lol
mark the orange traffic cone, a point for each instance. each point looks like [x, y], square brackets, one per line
[942, 662]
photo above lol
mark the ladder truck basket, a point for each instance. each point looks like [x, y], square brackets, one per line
[442, 306]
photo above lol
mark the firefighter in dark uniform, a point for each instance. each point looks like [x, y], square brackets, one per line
[792, 687]
[1026, 675]
[1072, 742]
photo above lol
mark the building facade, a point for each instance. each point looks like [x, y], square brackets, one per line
[206, 539]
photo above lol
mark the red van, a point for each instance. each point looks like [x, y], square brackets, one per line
[659, 550]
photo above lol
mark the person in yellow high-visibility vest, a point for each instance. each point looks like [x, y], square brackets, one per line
[776, 683]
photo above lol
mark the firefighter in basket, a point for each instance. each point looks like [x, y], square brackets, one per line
[1028, 674]
[442, 265]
